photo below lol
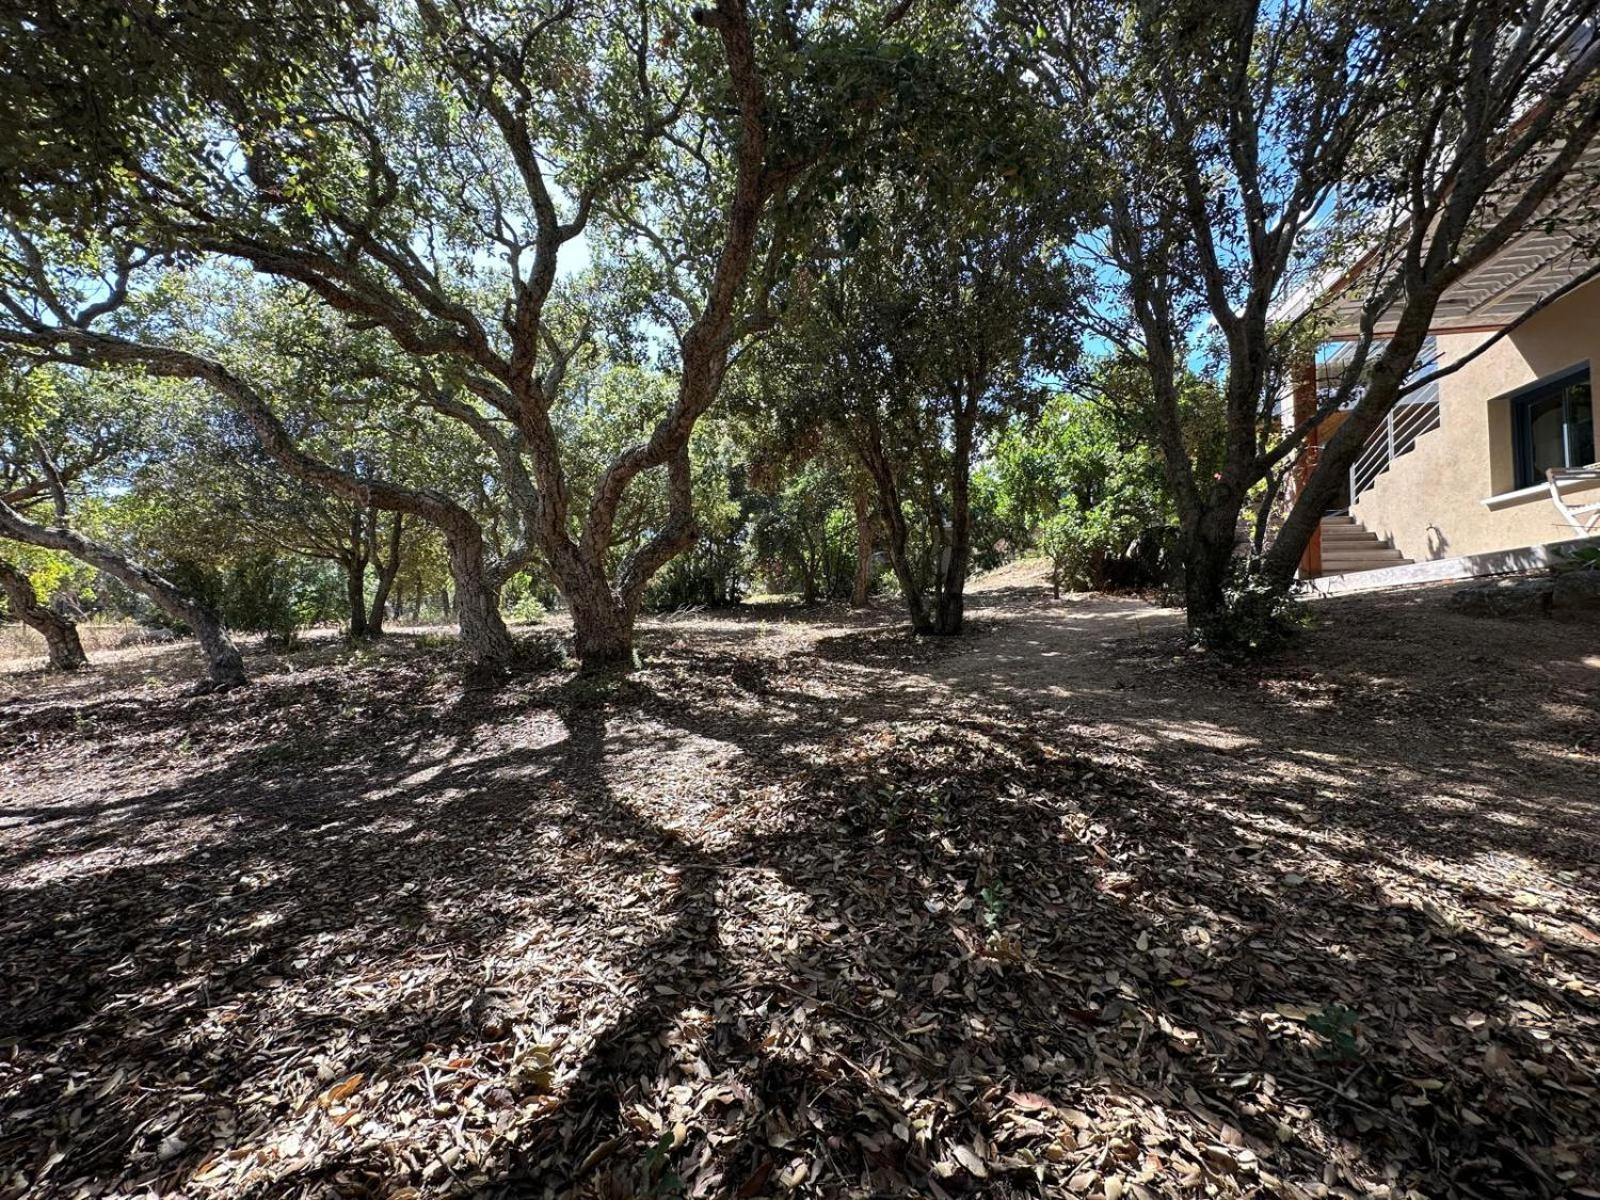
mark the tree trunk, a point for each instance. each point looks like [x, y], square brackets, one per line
[952, 601]
[355, 590]
[388, 570]
[952, 605]
[1339, 454]
[484, 635]
[224, 666]
[897, 536]
[806, 562]
[602, 629]
[1207, 558]
[864, 540]
[868, 445]
[60, 634]
[355, 570]
[1263, 521]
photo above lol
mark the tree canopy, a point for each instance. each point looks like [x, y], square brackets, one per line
[550, 298]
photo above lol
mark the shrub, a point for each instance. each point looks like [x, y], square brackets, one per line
[522, 607]
[1255, 619]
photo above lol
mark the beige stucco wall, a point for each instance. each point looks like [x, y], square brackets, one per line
[1430, 501]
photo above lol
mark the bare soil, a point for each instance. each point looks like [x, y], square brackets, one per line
[807, 908]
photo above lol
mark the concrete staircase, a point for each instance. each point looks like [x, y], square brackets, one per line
[1347, 547]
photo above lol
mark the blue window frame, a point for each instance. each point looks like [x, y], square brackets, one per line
[1552, 425]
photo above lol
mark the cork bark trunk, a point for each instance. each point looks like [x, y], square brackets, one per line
[60, 633]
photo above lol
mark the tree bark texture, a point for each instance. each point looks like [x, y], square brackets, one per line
[388, 565]
[60, 633]
[861, 587]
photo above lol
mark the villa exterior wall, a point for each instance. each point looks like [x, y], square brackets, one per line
[1431, 501]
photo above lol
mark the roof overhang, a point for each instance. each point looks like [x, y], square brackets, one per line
[1531, 266]
[1552, 251]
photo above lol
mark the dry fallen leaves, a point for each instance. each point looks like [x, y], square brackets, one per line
[803, 909]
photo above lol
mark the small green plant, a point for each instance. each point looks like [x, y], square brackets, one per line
[524, 610]
[994, 905]
[663, 1181]
[1338, 1025]
[1586, 558]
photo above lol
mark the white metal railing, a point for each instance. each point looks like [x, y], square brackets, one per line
[1396, 436]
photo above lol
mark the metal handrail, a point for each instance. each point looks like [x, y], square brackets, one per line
[1396, 436]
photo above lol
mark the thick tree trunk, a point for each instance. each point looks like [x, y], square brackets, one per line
[952, 604]
[862, 583]
[897, 537]
[60, 634]
[1208, 547]
[355, 570]
[484, 635]
[224, 666]
[952, 601]
[602, 630]
[868, 445]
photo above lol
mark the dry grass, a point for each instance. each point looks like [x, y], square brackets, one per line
[21, 649]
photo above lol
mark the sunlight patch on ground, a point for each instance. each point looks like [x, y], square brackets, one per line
[1203, 733]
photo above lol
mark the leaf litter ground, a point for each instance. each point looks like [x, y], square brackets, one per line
[803, 908]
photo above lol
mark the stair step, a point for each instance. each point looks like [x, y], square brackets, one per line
[1349, 547]
[1346, 535]
[1373, 551]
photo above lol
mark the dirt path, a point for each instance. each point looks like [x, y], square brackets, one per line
[806, 908]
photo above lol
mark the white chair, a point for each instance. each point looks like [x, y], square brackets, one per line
[1584, 518]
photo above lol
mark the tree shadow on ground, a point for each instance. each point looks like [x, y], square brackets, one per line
[755, 925]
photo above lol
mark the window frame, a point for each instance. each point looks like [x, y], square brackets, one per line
[1522, 401]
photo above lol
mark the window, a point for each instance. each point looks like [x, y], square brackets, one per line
[1552, 425]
